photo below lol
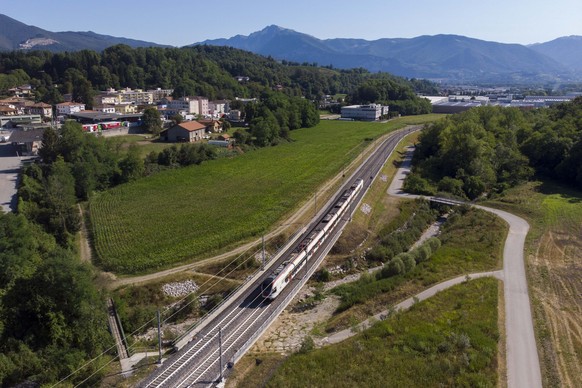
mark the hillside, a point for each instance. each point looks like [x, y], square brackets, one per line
[450, 57]
[15, 35]
[566, 50]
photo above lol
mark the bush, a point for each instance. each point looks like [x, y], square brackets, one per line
[392, 268]
[422, 253]
[434, 243]
[307, 345]
[408, 260]
[323, 275]
[379, 253]
[416, 184]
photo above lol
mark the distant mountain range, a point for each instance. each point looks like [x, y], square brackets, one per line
[567, 50]
[450, 57]
[15, 35]
[445, 57]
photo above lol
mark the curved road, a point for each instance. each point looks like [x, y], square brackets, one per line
[523, 366]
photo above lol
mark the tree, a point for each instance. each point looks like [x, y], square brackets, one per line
[177, 118]
[49, 150]
[61, 216]
[152, 121]
[132, 165]
[18, 250]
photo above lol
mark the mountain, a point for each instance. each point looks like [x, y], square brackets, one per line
[566, 50]
[15, 35]
[451, 57]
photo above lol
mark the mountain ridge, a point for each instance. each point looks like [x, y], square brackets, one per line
[447, 56]
[15, 35]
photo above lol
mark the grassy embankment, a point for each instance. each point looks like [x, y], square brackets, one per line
[450, 339]
[472, 242]
[466, 248]
[193, 212]
[554, 249]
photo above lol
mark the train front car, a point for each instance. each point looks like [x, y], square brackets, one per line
[267, 290]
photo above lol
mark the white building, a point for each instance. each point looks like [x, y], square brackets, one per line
[137, 96]
[191, 105]
[371, 112]
[67, 108]
[219, 107]
[106, 108]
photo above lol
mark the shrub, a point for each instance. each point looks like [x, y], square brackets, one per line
[394, 267]
[323, 275]
[434, 243]
[422, 253]
[379, 253]
[307, 345]
[408, 260]
[416, 184]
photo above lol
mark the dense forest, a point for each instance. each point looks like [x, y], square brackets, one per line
[203, 70]
[52, 318]
[486, 150]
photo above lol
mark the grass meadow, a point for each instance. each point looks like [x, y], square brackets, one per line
[190, 213]
[471, 242]
[447, 340]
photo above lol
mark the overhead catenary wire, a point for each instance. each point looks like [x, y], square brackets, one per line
[153, 319]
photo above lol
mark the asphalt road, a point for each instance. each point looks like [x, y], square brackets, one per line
[9, 168]
[523, 366]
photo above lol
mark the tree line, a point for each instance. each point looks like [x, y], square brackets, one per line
[202, 70]
[489, 149]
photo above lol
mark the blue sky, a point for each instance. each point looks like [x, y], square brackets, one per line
[181, 22]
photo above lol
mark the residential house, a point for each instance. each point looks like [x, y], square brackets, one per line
[125, 108]
[212, 126]
[188, 131]
[7, 111]
[29, 141]
[106, 108]
[21, 91]
[67, 108]
[40, 108]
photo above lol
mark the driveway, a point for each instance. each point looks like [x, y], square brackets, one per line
[9, 168]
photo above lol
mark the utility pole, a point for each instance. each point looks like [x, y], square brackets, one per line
[159, 338]
[316, 203]
[264, 261]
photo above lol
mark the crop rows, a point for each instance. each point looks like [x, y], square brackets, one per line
[188, 213]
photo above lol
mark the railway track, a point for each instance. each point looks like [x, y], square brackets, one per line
[225, 338]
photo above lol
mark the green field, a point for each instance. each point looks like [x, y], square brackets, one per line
[192, 212]
[447, 340]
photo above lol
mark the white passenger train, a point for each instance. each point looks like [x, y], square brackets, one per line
[276, 282]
